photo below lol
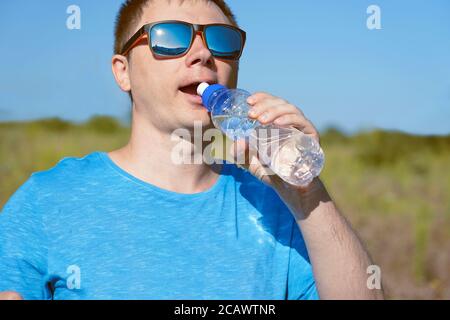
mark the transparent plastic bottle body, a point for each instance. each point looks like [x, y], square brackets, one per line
[288, 152]
[229, 113]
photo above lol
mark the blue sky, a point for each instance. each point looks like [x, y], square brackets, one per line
[319, 55]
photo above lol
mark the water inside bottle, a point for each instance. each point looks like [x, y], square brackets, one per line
[235, 127]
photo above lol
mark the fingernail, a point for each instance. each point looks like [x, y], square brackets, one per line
[252, 112]
[263, 117]
[250, 100]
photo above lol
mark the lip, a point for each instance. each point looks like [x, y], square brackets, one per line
[189, 81]
[190, 96]
[193, 99]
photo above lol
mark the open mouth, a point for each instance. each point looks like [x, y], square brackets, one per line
[190, 92]
[190, 89]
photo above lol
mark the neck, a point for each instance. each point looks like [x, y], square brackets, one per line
[148, 157]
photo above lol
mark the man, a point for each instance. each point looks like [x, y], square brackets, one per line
[132, 224]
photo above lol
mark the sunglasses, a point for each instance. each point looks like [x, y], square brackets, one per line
[173, 39]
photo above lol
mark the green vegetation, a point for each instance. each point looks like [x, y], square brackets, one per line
[393, 187]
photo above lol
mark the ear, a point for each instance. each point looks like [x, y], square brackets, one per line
[121, 71]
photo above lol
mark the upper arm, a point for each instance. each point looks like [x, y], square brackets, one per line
[23, 248]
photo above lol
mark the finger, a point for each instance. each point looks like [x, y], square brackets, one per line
[271, 114]
[298, 121]
[258, 96]
[264, 106]
[240, 151]
[244, 156]
[261, 102]
[258, 169]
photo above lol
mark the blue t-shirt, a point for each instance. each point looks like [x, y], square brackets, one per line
[86, 229]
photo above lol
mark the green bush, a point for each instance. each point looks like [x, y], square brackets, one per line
[51, 124]
[381, 148]
[103, 124]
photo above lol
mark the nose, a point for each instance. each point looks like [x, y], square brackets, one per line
[199, 53]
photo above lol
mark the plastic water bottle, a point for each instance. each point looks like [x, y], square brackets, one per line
[295, 157]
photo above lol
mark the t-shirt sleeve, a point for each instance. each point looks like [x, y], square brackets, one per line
[301, 283]
[23, 250]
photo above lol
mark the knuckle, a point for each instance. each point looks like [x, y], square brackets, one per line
[300, 112]
[261, 95]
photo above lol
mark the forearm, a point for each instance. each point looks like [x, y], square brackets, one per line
[338, 257]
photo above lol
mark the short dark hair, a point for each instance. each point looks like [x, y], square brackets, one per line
[131, 12]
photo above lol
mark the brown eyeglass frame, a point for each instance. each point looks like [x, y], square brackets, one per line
[144, 32]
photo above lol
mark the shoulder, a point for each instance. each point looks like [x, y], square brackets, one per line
[66, 168]
[67, 173]
[45, 190]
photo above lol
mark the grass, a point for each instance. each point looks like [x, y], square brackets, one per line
[393, 187]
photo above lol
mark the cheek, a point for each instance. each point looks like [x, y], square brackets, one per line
[227, 73]
[151, 79]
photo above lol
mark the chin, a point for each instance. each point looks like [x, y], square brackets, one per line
[203, 120]
[189, 113]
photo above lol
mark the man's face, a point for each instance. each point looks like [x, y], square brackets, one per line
[160, 87]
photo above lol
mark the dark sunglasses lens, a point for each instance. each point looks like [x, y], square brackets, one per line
[224, 41]
[170, 39]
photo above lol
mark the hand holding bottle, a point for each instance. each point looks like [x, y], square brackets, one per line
[270, 110]
[287, 142]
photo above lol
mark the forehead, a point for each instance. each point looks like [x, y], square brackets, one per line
[193, 11]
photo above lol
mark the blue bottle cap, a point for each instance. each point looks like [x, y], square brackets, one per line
[208, 92]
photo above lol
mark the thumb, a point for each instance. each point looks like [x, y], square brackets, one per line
[246, 157]
[10, 295]
[239, 152]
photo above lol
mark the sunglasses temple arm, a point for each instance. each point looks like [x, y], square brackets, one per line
[133, 41]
